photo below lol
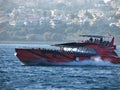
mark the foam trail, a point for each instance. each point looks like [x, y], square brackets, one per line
[89, 62]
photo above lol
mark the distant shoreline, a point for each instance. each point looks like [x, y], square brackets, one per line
[29, 42]
[39, 42]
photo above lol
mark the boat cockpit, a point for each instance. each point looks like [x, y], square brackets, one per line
[103, 40]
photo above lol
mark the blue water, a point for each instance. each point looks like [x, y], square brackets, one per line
[15, 76]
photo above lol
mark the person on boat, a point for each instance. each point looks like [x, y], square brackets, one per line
[96, 41]
[91, 40]
[101, 40]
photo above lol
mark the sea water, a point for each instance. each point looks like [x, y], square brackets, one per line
[87, 76]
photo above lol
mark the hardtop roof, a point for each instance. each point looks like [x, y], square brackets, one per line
[94, 36]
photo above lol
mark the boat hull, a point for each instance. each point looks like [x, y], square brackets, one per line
[45, 57]
[48, 57]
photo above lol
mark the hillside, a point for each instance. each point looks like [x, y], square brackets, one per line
[57, 20]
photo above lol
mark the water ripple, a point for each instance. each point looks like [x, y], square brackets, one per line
[14, 76]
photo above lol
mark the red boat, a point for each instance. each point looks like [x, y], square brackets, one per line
[95, 48]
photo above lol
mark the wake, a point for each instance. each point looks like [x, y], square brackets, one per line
[89, 62]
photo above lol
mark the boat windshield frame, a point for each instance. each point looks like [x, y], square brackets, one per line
[93, 36]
